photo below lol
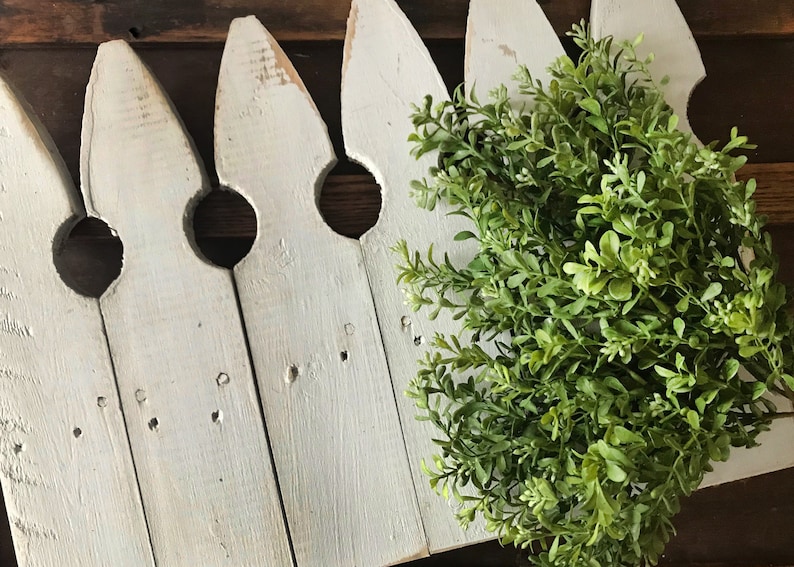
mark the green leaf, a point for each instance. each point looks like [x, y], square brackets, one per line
[712, 291]
[665, 372]
[598, 123]
[615, 473]
[624, 436]
[693, 419]
[602, 311]
[679, 326]
[555, 545]
[620, 289]
[750, 351]
[591, 105]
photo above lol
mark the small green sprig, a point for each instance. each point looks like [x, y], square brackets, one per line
[607, 281]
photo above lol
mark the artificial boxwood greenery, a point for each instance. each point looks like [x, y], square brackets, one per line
[605, 310]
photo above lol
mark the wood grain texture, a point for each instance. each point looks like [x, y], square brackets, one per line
[747, 85]
[666, 35]
[314, 337]
[733, 525]
[749, 81]
[500, 36]
[175, 334]
[385, 68]
[350, 204]
[65, 466]
[81, 21]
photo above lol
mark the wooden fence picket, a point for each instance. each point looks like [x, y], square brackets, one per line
[319, 359]
[255, 417]
[387, 68]
[65, 467]
[175, 334]
[676, 56]
[500, 36]
[666, 35]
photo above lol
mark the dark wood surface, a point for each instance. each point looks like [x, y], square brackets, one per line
[92, 21]
[46, 50]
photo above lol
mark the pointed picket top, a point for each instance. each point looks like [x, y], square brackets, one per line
[175, 334]
[500, 36]
[145, 128]
[666, 35]
[386, 69]
[286, 126]
[313, 331]
[65, 466]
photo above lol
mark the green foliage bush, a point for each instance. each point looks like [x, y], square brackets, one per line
[606, 278]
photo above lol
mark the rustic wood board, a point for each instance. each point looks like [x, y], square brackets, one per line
[677, 57]
[350, 204]
[331, 414]
[175, 334]
[500, 36]
[666, 36]
[747, 85]
[77, 21]
[386, 68]
[65, 467]
[744, 523]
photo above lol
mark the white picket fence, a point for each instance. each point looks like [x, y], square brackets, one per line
[130, 426]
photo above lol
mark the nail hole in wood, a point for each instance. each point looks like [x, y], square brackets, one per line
[344, 356]
[140, 396]
[222, 379]
[102, 401]
[77, 432]
[154, 424]
[88, 256]
[19, 448]
[135, 32]
[405, 322]
[292, 374]
[217, 416]
[419, 340]
[227, 224]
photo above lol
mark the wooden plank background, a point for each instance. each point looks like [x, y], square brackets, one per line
[46, 50]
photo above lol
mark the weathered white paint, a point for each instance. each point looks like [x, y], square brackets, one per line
[666, 35]
[65, 465]
[386, 68]
[775, 452]
[500, 36]
[319, 359]
[175, 334]
[669, 38]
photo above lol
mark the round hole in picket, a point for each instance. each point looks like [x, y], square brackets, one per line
[350, 200]
[88, 256]
[222, 226]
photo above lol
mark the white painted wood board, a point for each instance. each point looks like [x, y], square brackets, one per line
[386, 68]
[668, 37]
[175, 334]
[65, 465]
[320, 364]
[500, 36]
